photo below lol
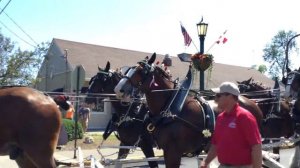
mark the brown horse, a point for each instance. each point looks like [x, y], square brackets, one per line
[29, 127]
[175, 133]
[277, 121]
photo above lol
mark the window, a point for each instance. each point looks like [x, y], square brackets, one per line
[99, 106]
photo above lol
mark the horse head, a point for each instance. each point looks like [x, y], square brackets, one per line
[292, 84]
[244, 86]
[140, 76]
[103, 82]
[145, 77]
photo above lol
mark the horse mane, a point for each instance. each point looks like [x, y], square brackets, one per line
[253, 84]
[163, 72]
[259, 86]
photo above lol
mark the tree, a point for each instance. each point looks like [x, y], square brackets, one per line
[274, 52]
[261, 68]
[19, 67]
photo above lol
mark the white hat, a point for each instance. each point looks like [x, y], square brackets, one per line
[227, 87]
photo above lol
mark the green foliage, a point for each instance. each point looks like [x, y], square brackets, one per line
[19, 67]
[262, 68]
[70, 128]
[274, 52]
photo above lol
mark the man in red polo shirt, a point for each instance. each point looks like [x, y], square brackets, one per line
[236, 140]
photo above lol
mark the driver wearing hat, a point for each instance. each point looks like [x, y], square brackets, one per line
[236, 141]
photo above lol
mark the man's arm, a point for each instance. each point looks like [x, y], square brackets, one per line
[256, 156]
[212, 153]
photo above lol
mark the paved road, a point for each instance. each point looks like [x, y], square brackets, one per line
[67, 156]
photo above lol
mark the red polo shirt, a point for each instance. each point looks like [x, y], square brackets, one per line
[235, 134]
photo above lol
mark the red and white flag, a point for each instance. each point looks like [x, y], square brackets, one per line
[186, 36]
[222, 38]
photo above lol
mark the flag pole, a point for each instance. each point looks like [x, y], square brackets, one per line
[217, 40]
[210, 47]
[195, 45]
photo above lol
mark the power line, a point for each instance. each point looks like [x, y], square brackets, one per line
[5, 6]
[2, 11]
[17, 35]
[21, 29]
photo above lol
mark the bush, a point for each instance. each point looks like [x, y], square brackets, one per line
[70, 128]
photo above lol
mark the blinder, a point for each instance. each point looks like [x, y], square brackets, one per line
[145, 71]
[146, 68]
[290, 77]
[290, 84]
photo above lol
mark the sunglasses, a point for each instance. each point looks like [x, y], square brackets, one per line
[222, 94]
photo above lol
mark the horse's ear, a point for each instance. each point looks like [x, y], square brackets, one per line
[249, 80]
[152, 59]
[107, 68]
[288, 70]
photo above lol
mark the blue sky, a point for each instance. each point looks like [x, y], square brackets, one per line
[153, 25]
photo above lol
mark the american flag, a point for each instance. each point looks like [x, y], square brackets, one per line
[186, 36]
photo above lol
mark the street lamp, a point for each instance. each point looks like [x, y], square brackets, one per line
[286, 63]
[202, 30]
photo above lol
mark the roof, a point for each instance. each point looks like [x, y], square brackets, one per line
[91, 56]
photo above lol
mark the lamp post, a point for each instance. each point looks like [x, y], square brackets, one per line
[202, 29]
[287, 52]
